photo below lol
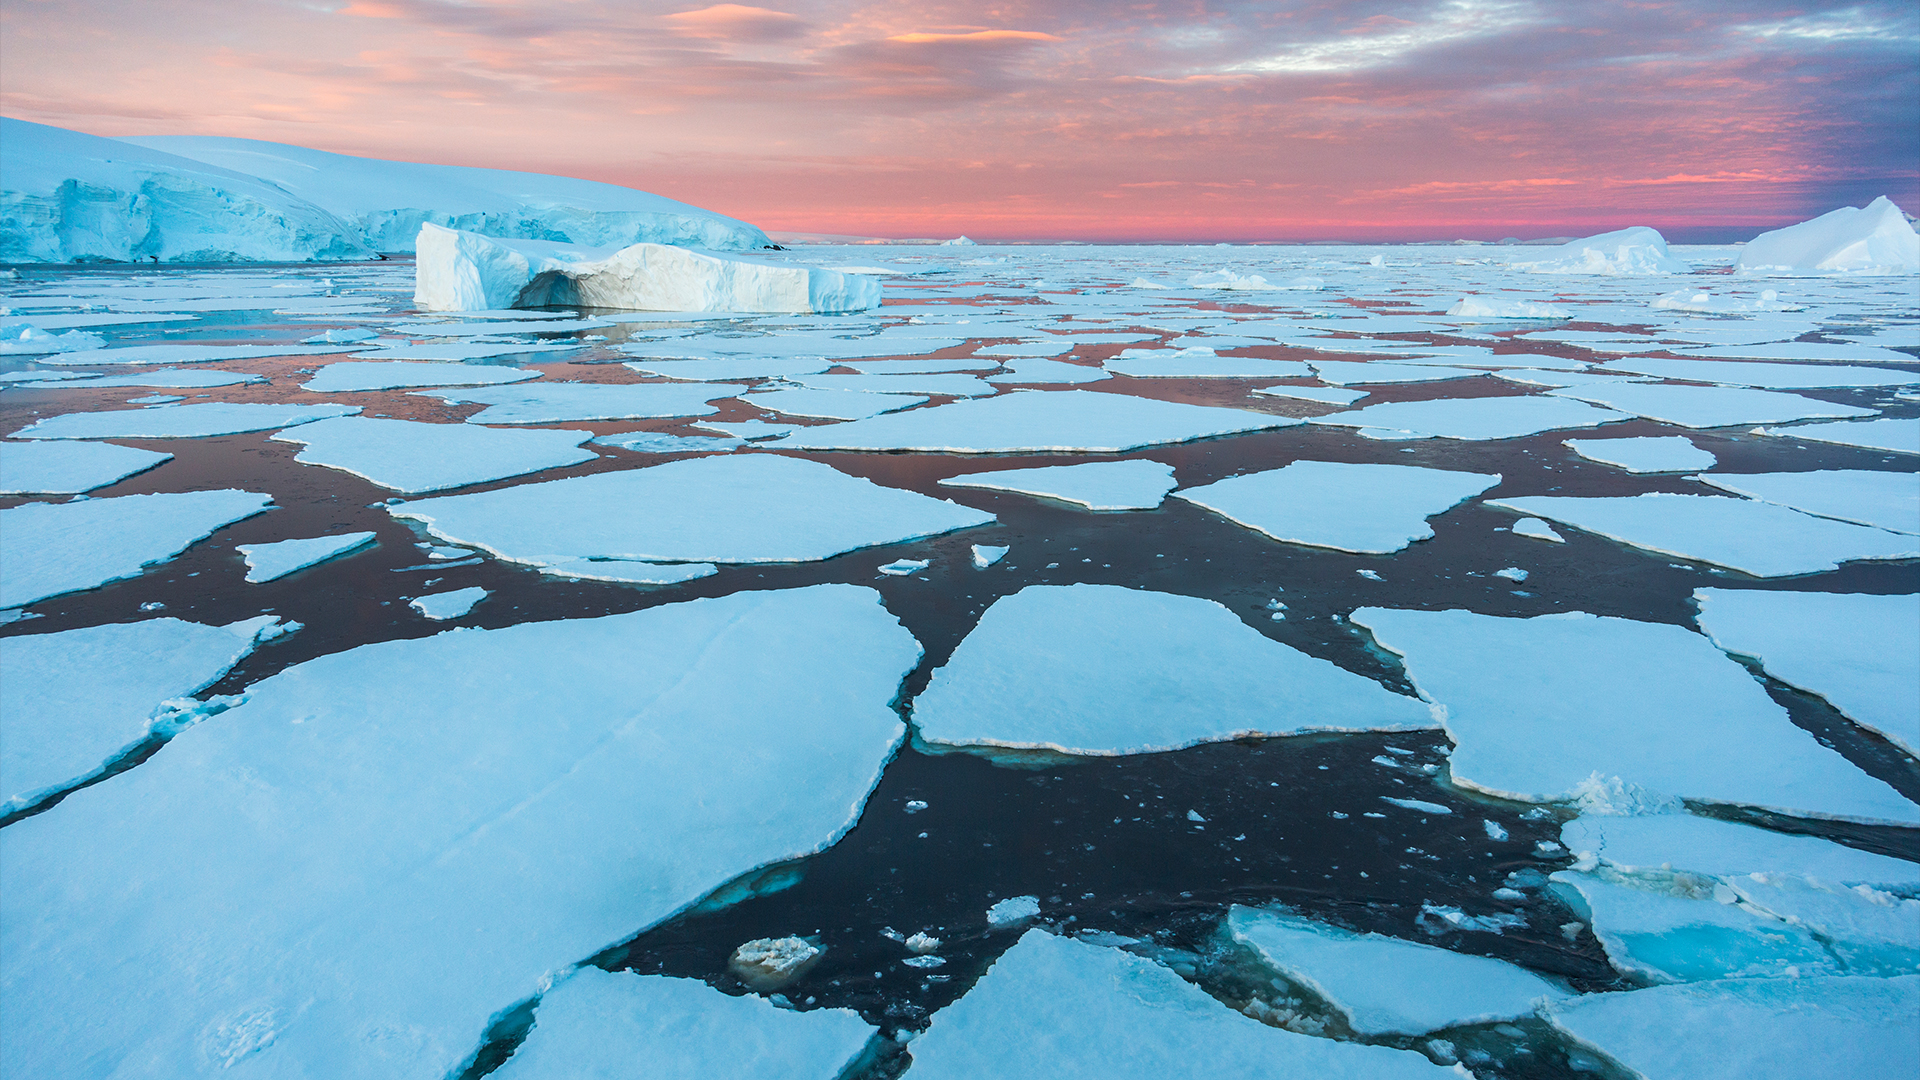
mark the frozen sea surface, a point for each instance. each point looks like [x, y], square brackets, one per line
[1886, 500]
[47, 549]
[1666, 453]
[268, 562]
[1371, 509]
[1097, 485]
[1069, 420]
[1708, 406]
[180, 421]
[69, 468]
[1472, 418]
[412, 457]
[362, 375]
[558, 403]
[1900, 436]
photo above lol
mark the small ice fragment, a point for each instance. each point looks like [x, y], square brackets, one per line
[904, 567]
[770, 963]
[448, 605]
[1548, 847]
[924, 961]
[1194, 815]
[1418, 804]
[914, 806]
[1512, 573]
[153, 605]
[1494, 830]
[1512, 896]
[985, 555]
[269, 562]
[1013, 911]
[1538, 530]
[922, 943]
[441, 551]
[1369, 575]
[1279, 616]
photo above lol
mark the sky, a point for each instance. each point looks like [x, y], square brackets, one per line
[1159, 120]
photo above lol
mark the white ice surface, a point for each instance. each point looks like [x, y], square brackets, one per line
[1349, 373]
[297, 886]
[1655, 706]
[1689, 932]
[952, 384]
[1326, 395]
[446, 606]
[76, 700]
[830, 404]
[1635, 251]
[1474, 418]
[559, 402]
[1385, 986]
[1201, 364]
[409, 456]
[51, 548]
[187, 354]
[1536, 529]
[985, 555]
[732, 369]
[1654, 454]
[180, 421]
[1773, 376]
[170, 378]
[1500, 307]
[1048, 373]
[1037, 421]
[1700, 845]
[69, 468]
[1707, 406]
[747, 509]
[1101, 669]
[448, 352]
[1052, 1008]
[265, 562]
[601, 1025]
[1805, 350]
[1753, 537]
[1099, 485]
[1372, 509]
[1859, 651]
[352, 375]
[1887, 500]
[1876, 239]
[629, 571]
[1899, 436]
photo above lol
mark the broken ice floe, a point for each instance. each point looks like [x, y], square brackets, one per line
[1875, 240]
[830, 404]
[1634, 251]
[409, 456]
[905, 567]
[268, 562]
[1652, 707]
[1099, 485]
[559, 402]
[1668, 453]
[1326, 395]
[169, 379]
[630, 572]
[1707, 406]
[985, 555]
[1347, 373]
[1664, 844]
[1100, 669]
[1536, 529]
[315, 865]
[1772, 376]
[186, 354]
[1013, 911]
[352, 375]
[1886, 500]
[1500, 307]
[1899, 436]
[654, 442]
[1036, 421]
[441, 607]
[1472, 418]
[453, 352]
[1048, 373]
[1371, 509]
[180, 421]
[1201, 363]
[47, 549]
[950, 384]
[69, 468]
[732, 368]
[1821, 351]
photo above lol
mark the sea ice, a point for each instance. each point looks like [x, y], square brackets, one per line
[1859, 651]
[1201, 364]
[905, 567]
[654, 442]
[51, 548]
[298, 886]
[1638, 250]
[1371, 509]
[630, 571]
[409, 456]
[75, 701]
[985, 555]
[751, 509]
[1103, 670]
[1898, 436]
[1771, 376]
[953, 385]
[927, 365]
[1035, 421]
[1691, 931]
[1100, 485]
[1326, 395]
[1887, 500]
[830, 404]
[1655, 706]
[1013, 911]
[559, 402]
[1874, 240]
[266, 562]
[1049, 373]
[349, 375]
[1059, 1009]
[187, 354]
[180, 421]
[455, 352]
[1348, 373]
[732, 368]
[1667, 453]
[1668, 843]
[1753, 537]
[171, 378]
[69, 468]
[602, 1024]
[1536, 529]
[1706, 406]
[1473, 418]
[1385, 986]
[1796, 350]
[1496, 307]
[446, 606]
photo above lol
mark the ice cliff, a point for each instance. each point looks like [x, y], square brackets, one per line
[1877, 239]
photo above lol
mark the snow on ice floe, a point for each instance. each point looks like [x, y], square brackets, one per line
[1756, 538]
[830, 404]
[180, 421]
[1657, 844]
[1060, 1009]
[170, 378]
[51, 548]
[596, 1023]
[455, 352]
[69, 468]
[1347, 372]
[1500, 307]
[462, 271]
[1326, 395]
[1635, 251]
[1101, 669]
[654, 442]
[1652, 708]
[267, 562]
[1201, 363]
[1707, 406]
[1886, 500]
[187, 354]
[75, 701]
[1753, 1029]
[1385, 986]
[1685, 933]
[351, 375]
[1772, 376]
[409, 456]
[1861, 652]
[1874, 240]
[752, 509]
[559, 402]
[1804, 350]
[446, 606]
[1097, 485]
[1472, 418]
[475, 325]
[1034, 421]
[1535, 529]
[1898, 436]
[630, 571]
[296, 887]
[1370, 509]
[732, 369]
[1048, 373]
[1666, 453]
[985, 555]
[950, 384]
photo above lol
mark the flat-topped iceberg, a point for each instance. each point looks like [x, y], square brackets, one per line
[464, 271]
[1638, 250]
[1877, 239]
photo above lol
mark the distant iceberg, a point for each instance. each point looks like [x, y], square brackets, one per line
[1876, 240]
[1634, 251]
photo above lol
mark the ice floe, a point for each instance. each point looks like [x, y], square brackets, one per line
[455, 352]
[1371, 509]
[953, 385]
[1201, 364]
[1499, 307]
[1101, 669]
[1665, 453]
[1660, 844]
[1653, 707]
[187, 354]
[173, 379]
[1634, 251]
[1536, 529]
[748, 509]
[51, 548]
[445, 606]
[1805, 350]
[1472, 418]
[1049, 373]
[630, 571]
[1876, 240]
[69, 468]
[180, 421]
[1691, 931]
[1098, 485]
[1772, 376]
[830, 404]
[1894, 435]
[266, 562]
[732, 368]
[653, 442]
[1707, 406]
[559, 402]
[297, 886]
[985, 555]
[1066, 420]
[1326, 395]
[409, 456]
[1886, 500]
[352, 375]
[1348, 373]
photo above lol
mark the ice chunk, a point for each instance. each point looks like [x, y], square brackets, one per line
[441, 607]
[1473, 418]
[350, 375]
[1537, 530]
[1666, 843]
[1638, 250]
[1859, 651]
[1874, 240]
[1101, 669]
[1201, 364]
[1498, 307]
[341, 336]
[1323, 394]
[1899, 436]
[1101, 485]
[598, 1023]
[751, 509]
[1753, 537]
[750, 430]
[1690, 932]
[1668, 453]
[1062, 1009]
[1052, 346]
[67, 468]
[75, 701]
[299, 884]
[1349, 372]
[1076, 420]
[949, 384]
[1704, 302]
[1385, 986]
[559, 402]
[21, 338]
[1418, 805]
[47, 549]
[1049, 373]
[1372, 509]
[630, 571]
[830, 404]
[1013, 911]
[1656, 706]
[409, 456]
[180, 421]
[1774, 376]
[1512, 573]
[986, 555]
[926, 365]
[464, 271]
[266, 562]
[1706, 406]
[1887, 500]
[905, 567]
[654, 442]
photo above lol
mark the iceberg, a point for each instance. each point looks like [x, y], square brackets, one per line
[1666, 453]
[350, 376]
[1369, 509]
[180, 421]
[1635, 251]
[1707, 406]
[1472, 418]
[1098, 485]
[411, 457]
[446, 606]
[1497, 307]
[1885, 500]
[464, 271]
[47, 549]
[1894, 435]
[560, 402]
[270, 562]
[1037, 421]
[69, 468]
[1874, 240]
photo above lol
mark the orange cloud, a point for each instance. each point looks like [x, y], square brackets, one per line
[737, 22]
[978, 37]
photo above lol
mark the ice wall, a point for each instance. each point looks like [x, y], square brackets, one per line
[464, 271]
[1878, 239]
[1634, 251]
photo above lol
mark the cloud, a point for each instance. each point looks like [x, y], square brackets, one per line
[737, 22]
[977, 37]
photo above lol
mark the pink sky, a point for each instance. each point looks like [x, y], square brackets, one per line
[1175, 120]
